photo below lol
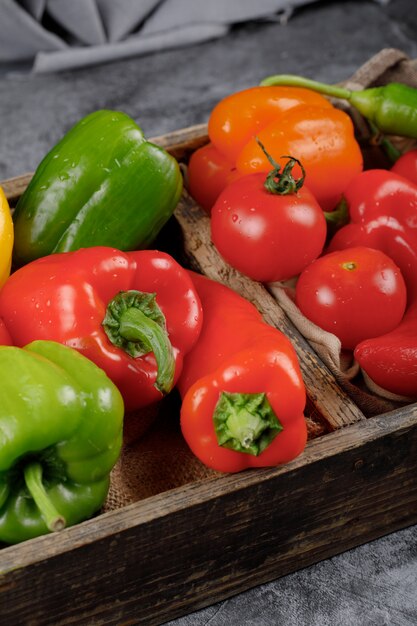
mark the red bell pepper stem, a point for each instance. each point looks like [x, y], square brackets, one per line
[337, 218]
[135, 323]
[135, 326]
[33, 479]
[245, 422]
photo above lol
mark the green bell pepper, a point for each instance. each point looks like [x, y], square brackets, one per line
[61, 422]
[103, 184]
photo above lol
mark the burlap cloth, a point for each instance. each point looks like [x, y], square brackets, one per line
[155, 457]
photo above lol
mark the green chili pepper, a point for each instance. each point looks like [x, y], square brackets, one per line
[392, 108]
[102, 184]
[60, 435]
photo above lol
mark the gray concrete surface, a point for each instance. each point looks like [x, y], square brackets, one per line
[375, 584]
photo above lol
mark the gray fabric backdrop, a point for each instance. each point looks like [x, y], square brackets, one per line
[66, 34]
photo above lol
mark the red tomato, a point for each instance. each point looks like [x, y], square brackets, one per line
[264, 235]
[356, 294]
[209, 172]
[406, 166]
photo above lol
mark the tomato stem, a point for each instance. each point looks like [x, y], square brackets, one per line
[349, 266]
[282, 183]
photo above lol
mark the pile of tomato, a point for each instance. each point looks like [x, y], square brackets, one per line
[283, 180]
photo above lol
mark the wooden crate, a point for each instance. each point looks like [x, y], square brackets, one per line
[199, 542]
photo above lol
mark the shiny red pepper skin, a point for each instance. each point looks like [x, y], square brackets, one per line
[383, 215]
[63, 297]
[406, 165]
[237, 352]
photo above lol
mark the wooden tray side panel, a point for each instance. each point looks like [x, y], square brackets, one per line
[355, 485]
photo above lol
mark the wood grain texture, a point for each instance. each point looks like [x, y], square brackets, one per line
[221, 535]
[227, 534]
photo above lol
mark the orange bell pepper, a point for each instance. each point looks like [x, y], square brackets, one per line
[289, 121]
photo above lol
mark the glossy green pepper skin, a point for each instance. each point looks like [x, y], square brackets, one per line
[61, 423]
[102, 184]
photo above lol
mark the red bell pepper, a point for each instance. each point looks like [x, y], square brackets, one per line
[242, 391]
[383, 214]
[134, 314]
[406, 165]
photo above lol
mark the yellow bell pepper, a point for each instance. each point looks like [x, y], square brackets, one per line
[6, 238]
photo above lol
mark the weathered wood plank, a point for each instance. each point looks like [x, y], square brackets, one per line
[227, 534]
[14, 187]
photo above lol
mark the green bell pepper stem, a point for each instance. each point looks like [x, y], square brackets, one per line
[392, 107]
[245, 422]
[136, 326]
[33, 479]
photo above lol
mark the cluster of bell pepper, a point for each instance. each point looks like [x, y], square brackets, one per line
[96, 324]
[93, 324]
